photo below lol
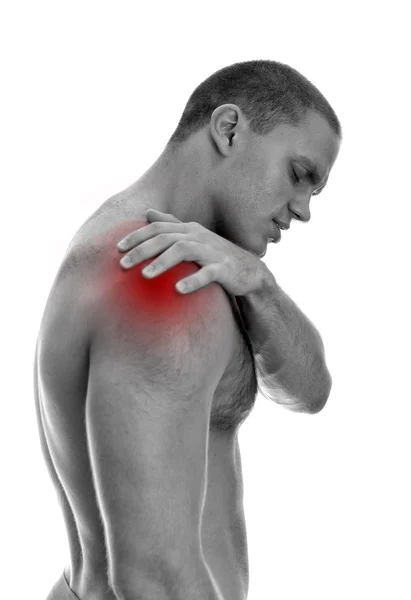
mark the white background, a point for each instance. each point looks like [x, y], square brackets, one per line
[91, 93]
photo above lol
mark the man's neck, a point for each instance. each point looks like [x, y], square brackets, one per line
[177, 183]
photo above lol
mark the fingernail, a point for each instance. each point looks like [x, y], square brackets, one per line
[148, 270]
[126, 261]
[181, 286]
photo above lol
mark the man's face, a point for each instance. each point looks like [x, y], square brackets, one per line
[260, 183]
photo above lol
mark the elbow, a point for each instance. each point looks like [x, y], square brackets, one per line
[317, 404]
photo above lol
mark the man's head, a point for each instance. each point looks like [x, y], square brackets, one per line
[244, 133]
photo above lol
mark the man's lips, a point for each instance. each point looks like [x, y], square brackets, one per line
[277, 230]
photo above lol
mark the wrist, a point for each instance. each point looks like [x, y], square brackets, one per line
[267, 284]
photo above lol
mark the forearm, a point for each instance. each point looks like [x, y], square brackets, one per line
[288, 348]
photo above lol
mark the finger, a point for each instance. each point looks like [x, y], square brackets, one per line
[201, 279]
[182, 250]
[149, 248]
[154, 214]
[145, 233]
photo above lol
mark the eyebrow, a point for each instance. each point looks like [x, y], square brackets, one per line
[313, 171]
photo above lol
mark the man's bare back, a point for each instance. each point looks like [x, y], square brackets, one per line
[61, 380]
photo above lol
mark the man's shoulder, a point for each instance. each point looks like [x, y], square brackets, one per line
[96, 303]
[91, 271]
[66, 295]
[92, 258]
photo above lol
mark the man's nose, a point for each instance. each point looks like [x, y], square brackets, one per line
[301, 211]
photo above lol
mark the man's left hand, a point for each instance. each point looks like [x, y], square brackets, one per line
[237, 270]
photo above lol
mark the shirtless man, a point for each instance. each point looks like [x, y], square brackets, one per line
[140, 389]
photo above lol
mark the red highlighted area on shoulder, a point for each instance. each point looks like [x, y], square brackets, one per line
[154, 299]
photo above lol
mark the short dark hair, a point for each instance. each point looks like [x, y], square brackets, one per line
[269, 93]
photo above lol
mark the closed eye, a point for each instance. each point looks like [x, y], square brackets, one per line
[294, 176]
[297, 179]
[318, 191]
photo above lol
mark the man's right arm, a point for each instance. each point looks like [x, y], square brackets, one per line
[148, 407]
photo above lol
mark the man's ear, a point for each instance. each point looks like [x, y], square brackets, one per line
[227, 122]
